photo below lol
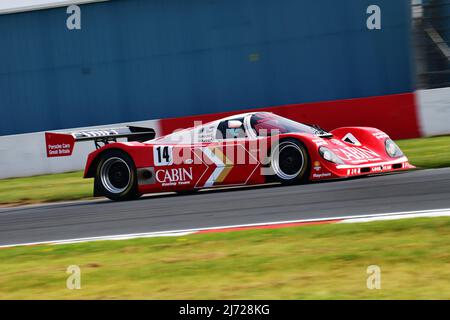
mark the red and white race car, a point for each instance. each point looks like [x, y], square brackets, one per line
[245, 149]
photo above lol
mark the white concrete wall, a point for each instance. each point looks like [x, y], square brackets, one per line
[434, 111]
[25, 154]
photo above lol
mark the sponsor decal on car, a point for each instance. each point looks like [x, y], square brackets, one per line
[174, 176]
[380, 135]
[58, 149]
[163, 155]
[59, 145]
[206, 134]
[95, 133]
[353, 171]
[317, 166]
[381, 168]
[350, 138]
[223, 164]
[321, 175]
[358, 154]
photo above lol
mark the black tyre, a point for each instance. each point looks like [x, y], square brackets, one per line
[290, 162]
[116, 176]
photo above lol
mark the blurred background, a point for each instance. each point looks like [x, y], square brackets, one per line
[166, 63]
[431, 33]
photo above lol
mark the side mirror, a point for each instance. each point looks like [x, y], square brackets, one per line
[234, 124]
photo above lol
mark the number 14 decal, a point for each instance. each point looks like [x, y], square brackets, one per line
[162, 155]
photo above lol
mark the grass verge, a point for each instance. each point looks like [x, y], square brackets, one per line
[310, 262]
[46, 188]
[425, 153]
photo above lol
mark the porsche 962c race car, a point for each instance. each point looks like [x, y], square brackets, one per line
[245, 149]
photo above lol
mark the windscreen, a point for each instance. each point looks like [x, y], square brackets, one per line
[269, 124]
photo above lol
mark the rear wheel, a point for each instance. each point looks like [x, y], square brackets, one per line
[116, 176]
[290, 162]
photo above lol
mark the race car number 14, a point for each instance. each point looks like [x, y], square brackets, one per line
[162, 155]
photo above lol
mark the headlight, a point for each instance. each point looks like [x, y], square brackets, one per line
[392, 149]
[329, 155]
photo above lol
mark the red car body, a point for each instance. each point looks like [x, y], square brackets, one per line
[195, 158]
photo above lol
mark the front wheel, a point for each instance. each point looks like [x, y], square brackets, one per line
[116, 176]
[290, 161]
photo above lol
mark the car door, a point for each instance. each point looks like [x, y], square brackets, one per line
[229, 154]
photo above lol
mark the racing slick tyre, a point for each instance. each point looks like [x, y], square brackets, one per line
[290, 162]
[116, 176]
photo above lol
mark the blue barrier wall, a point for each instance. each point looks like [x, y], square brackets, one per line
[147, 59]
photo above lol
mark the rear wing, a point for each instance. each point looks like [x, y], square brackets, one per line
[61, 144]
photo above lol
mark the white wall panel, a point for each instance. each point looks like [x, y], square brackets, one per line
[25, 154]
[434, 111]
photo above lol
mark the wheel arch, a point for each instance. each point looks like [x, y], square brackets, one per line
[305, 143]
[303, 140]
[94, 160]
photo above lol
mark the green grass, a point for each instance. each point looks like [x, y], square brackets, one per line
[311, 262]
[46, 188]
[424, 153]
[427, 152]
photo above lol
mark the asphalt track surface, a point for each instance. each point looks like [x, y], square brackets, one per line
[414, 190]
